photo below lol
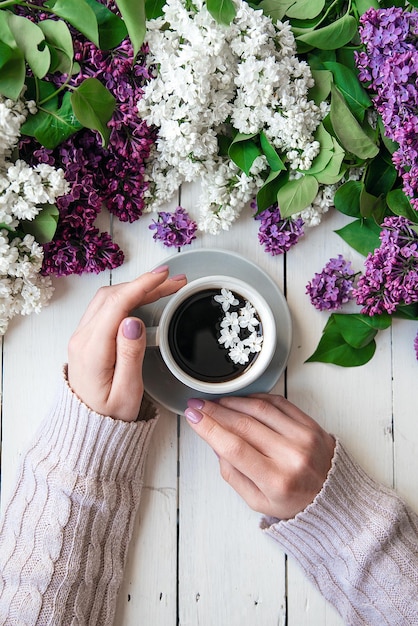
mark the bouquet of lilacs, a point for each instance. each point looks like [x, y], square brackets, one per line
[103, 161]
[231, 105]
[27, 197]
[383, 202]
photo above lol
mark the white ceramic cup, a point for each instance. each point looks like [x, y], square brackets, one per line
[159, 336]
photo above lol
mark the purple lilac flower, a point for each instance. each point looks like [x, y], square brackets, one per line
[174, 229]
[114, 176]
[416, 345]
[389, 65]
[278, 235]
[391, 276]
[333, 286]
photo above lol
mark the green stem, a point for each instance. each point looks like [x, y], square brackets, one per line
[65, 85]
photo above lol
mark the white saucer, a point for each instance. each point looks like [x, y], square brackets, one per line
[159, 383]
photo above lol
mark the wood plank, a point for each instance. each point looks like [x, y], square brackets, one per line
[149, 591]
[229, 572]
[405, 374]
[352, 403]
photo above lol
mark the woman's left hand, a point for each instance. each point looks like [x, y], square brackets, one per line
[106, 351]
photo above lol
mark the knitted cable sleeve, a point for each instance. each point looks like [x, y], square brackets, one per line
[65, 532]
[358, 543]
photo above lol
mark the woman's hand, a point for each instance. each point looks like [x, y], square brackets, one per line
[274, 455]
[106, 351]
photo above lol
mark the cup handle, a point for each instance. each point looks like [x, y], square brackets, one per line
[153, 336]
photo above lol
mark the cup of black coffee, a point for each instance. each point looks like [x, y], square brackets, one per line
[216, 335]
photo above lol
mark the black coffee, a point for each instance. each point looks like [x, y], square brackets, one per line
[193, 339]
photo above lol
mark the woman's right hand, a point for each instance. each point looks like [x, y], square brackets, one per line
[273, 454]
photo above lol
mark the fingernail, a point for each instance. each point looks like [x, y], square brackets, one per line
[160, 269]
[132, 328]
[195, 403]
[178, 277]
[193, 415]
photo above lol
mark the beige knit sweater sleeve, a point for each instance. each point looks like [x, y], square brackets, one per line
[65, 532]
[358, 543]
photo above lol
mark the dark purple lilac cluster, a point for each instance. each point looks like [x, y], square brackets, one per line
[112, 176]
[333, 286]
[391, 271]
[389, 66]
[278, 234]
[174, 229]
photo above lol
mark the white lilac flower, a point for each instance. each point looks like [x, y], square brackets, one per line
[226, 299]
[238, 328]
[231, 321]
[239, 353]
[254, 342]
[208, 76]
[228, 337]
[22, 289]
[247, 318]
[23, 192]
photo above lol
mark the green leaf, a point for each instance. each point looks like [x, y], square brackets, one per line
[362, 235]
[347, 198]
[79, 14]
[133, 14]
[267, 194]
[333, 348]
[12, 72]
[243, 151]
[364, 5]
[358, 330]
[6, 35]
[52, 124]
[305, 9]
[380, 175]
[296, 195]
[6, 54]
[93, 106]
[44, 225]
[59, 38]
[223, 11]
[347, 82]
[326, 152]
[391, 146]
[332, 36]
[269, 151]
[154, 8]
[31, 41]
[112, 29]
[372, 206]
[334, 171]
[407, 311]
[276, 9]
[400, 205]
[349, 132]
[322, 87]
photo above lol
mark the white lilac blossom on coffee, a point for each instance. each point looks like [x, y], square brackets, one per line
[239, 328]
[208, 76]
[23, 191]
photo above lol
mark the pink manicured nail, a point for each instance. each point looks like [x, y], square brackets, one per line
[160, 269]
[178, 277]
[195, 403]
[132, 328]
[193, 415]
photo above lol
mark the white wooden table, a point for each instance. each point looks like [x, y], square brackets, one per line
[198, 557]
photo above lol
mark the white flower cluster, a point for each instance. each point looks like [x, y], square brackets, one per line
[209, 75]
[234, 324]
[23, 190]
